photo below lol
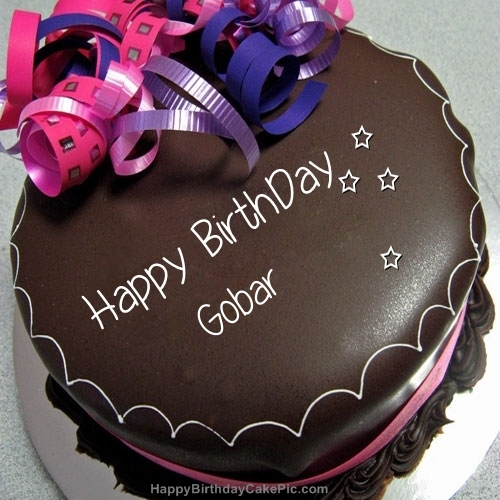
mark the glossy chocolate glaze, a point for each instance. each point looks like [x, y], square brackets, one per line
[262, 386]
[367, 481]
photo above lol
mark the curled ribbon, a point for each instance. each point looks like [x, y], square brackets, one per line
[248, 71]
[87, 84]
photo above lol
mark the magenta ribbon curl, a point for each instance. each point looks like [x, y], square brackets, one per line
[98, 78]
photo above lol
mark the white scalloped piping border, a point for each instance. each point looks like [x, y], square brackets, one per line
[359, 394]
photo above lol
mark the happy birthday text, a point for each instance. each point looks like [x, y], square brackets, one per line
[213, 235]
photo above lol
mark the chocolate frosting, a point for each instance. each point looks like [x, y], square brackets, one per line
[355, 287]
[365, 482]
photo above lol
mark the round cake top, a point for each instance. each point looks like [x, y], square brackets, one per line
[271, 325]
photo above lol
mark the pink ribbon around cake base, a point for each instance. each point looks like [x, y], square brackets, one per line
[419, 397]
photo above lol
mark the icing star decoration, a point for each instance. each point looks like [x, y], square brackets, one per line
[349, 182]
[391, 258]
[388, 180]
[362, 138]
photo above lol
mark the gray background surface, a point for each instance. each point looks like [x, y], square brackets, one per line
[459, 40]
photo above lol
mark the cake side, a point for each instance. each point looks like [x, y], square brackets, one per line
[368, 481]
[391, 332]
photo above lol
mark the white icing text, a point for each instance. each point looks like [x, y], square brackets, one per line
[241, 303]
[250, 210]
[137, 290]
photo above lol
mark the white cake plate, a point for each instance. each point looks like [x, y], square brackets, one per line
[452, 458]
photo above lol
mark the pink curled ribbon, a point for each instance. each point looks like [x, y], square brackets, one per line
[86, 84]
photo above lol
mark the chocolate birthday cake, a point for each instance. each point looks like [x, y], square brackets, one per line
[296, 314]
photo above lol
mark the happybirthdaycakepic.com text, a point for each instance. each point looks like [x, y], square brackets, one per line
[240, 490]
[213, 235]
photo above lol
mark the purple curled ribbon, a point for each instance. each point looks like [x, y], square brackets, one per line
[89, 90]
[218, 107]
[300, 26]
[255, 60]
[107, 37]
[247, 73]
